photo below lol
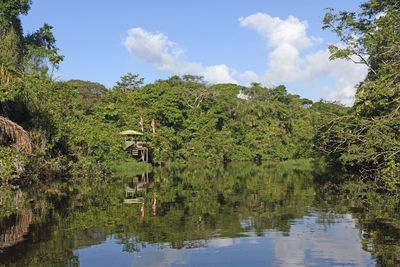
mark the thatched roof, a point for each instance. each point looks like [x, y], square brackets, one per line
[16, 133]
[131, 132]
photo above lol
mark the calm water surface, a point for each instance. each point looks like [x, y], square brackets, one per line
[241, 214]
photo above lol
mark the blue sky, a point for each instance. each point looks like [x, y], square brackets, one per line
[272, 42]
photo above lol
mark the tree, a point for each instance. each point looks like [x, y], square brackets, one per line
[129, 82]
[372, 37]
[194, 89]
[367, 137]
[11, 34]
[89, 94]
[20, 56]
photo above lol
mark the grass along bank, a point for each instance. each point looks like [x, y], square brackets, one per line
[130, 168]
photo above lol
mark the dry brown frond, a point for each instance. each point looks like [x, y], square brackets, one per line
[16, 133]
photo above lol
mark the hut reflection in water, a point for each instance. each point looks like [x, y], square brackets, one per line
[139, 183]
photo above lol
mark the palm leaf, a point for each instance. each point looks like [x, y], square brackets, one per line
[16, 133]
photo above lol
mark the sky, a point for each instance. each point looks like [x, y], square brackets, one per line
[272, 42]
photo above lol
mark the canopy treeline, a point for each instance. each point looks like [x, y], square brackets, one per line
[197, 121]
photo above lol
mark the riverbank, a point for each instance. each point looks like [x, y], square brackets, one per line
[130, 168]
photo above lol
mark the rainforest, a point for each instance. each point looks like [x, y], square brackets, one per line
[59, 140]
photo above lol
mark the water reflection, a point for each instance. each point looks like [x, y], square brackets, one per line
[14, 228]
[138, 184]
[313, 242]
[234, 215]
[308, 243]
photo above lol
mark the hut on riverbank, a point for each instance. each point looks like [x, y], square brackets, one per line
[135, 145]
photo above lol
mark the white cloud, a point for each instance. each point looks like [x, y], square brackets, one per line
[278, 31]
[250, 76]
[345, 74]
[287, 38]
[312, 243]
[168, 57]
[165, 257]
[223, 242]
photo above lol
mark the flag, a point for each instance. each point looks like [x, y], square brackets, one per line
[141, 123]
[153, 125]
[153, 206]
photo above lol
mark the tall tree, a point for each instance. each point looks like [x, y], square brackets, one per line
[129, 82]
[367, 138]
[20, 56]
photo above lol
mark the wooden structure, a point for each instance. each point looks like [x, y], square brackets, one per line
[139, 183]
[138, 149]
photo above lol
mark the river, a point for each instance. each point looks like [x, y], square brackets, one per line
[238, 214]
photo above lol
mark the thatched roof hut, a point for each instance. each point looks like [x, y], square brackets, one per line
[136, 148]
[130, 132]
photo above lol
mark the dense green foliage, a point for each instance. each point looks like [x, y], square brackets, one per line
[195, 121]
[59, 138]
[69, 131]
[366, 137]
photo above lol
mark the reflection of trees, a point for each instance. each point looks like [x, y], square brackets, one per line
[382, 238]
[14, 228]
[197, 203]
[47, 241]
[200, 201]
[50, 244]
[378, 218]
[194, 204]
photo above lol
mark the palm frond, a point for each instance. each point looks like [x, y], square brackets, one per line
[16, 133]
